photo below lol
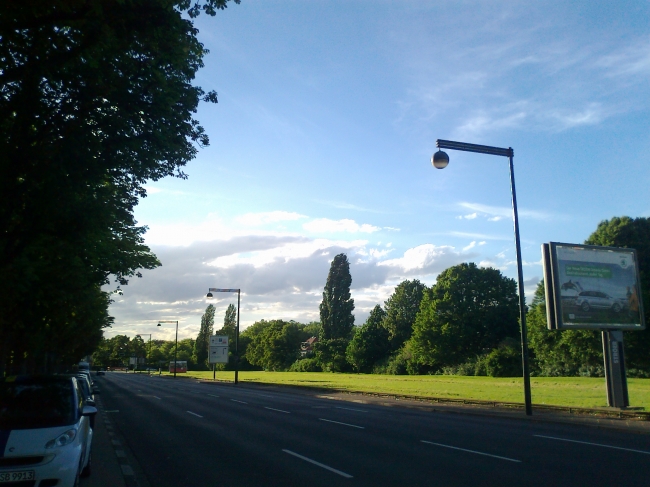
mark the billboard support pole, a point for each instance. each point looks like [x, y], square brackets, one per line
[617, 395]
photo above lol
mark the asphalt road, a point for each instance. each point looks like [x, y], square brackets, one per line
[183, 433]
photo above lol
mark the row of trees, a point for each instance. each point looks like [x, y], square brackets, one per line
[466, 323]
[96, 99]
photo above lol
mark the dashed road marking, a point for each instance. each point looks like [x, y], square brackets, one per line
[242, 402]
[194, 414]
[322, 465]
[344, 424]
[351, 409]
[278, 410]
[471, 451]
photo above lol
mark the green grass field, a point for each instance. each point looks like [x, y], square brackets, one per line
[585, 392]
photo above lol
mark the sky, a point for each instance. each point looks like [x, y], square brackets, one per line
[321, 143]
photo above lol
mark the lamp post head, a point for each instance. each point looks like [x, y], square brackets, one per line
[159, 324]
[440, 160]
[209, 295]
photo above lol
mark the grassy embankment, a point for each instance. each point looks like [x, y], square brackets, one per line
[588, 392]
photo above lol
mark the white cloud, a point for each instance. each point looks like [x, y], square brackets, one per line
[255, 219]
[471, 216]
[505, 211]
[325, 225]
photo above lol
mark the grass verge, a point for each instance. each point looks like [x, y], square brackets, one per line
[587, 392]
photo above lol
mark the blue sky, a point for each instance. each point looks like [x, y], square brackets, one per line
[321, 142]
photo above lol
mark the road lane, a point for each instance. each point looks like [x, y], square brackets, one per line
[388, 450]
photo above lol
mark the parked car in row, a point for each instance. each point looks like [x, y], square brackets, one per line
[45, 433]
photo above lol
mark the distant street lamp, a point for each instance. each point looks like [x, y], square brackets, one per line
[238, 291]
[176, 346]
[440, 160]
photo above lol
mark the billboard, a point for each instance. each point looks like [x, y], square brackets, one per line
[591, 287]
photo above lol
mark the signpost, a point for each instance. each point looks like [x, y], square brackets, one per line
[218, 352]
[595, 288]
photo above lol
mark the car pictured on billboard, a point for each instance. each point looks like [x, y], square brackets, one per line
[588, 300]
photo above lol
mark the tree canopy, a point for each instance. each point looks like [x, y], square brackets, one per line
[96, 98]
[401, 309]
[336, 308]
[468, 312]
[370, 342]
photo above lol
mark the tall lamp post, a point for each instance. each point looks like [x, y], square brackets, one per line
[176, 346]
[145, 334]
[238, 291]
[440, 160]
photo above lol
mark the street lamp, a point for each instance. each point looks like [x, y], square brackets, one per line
[440, 160]
[176, 346]
[238, 291]
[139, 336]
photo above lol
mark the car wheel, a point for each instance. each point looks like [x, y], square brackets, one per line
[616, 308]
[585, 306]
[87, 469]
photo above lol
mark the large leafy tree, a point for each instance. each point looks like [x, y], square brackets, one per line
[468, 312]
[96, 98]
[401, 309]
[370, 342]
[631, 233]
[276, 346]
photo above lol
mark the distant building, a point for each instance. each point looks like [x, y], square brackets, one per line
[307, 348]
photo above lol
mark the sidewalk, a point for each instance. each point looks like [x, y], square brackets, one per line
[106, 467]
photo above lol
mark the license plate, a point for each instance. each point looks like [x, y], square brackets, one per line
[9, 477]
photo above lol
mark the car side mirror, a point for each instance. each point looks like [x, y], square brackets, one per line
[89, 410]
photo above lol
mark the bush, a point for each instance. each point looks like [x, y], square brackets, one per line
[503, 362]
[306, 365]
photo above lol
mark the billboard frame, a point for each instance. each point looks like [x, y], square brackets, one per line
[554, 304]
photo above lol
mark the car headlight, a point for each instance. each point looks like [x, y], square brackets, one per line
[63, 439]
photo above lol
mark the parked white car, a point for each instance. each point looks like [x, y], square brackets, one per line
[45, 433]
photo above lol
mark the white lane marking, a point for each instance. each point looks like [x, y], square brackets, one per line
[344, 424]
[314, 462]
[156, 397]
[471, 451]
[212, 395]
[194, 414]
[278, 410]
[263, 395]
[321, 407]
[351, 409]
[593, 444]
[235, 400]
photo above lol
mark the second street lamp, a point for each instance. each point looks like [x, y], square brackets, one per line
[440, 160]
[175, 346]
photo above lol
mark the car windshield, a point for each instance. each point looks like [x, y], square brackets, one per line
[36, 403]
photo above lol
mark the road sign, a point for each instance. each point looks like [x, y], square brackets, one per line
[218, 354]
[219, 340]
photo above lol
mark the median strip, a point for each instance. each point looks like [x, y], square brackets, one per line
[593, 444]
[194, 414]
[278, 410]
[344, 424]
[471, 451]
[322, 465]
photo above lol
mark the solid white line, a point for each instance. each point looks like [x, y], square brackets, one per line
[593, 444]
[342, 474]
[351, 409]
[194, 414]
[212, 395]
[345, 424]
[471, 451]
[235, 400]
[278, 410]
[263, 395]
[156, 397]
